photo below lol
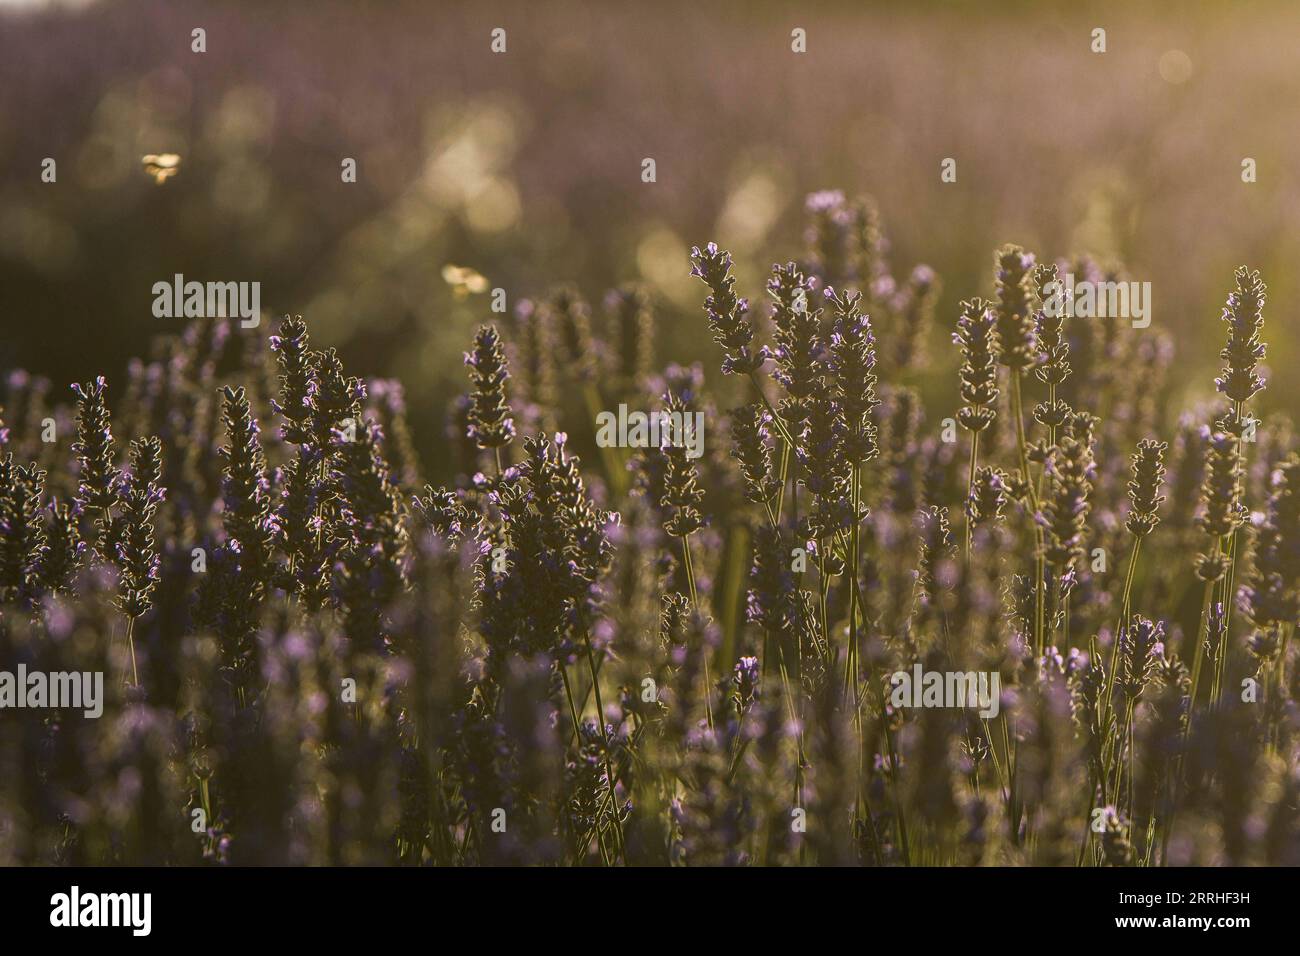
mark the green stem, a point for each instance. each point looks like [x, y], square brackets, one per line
[776, 418]
[1198, 654]
[609, 770]
[851, 656]
[1021, 445]
[1230, 583]
[1123, 623]
[695, 605]
[130, 641]
[970, 489]
[796, 722]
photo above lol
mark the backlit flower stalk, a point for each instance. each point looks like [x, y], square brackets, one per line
[1222, 513]
[728, 313]
[1240, 381]
[138, 549]
[1141, 649]
[1064, 517]
[979, 390]
[98, 477]
[22, 533]
[491, 425]
[684, 496]
[1148, 466]
[733, 330]
[853, 364]
[247, 514]
[1049, 330]
[1017, 351]
[64, 550]
[752, 449]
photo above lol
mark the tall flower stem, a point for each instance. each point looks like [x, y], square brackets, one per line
[568, 693]
[577, 735]
[1225, 597]
[795, 722]
[130, 642]
[1123, 621]
[824, 590]
[776, 418]
[1017, 409]
[1230, 583]
[851, 656]
[1198, 654]
[604, 734]
[695, 604]
[785, 473]
[889, 740]
[787, 449]
[970, 488]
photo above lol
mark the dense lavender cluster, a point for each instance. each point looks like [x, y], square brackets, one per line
[313, 657]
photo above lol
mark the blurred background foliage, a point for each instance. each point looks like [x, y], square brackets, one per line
[526, 166]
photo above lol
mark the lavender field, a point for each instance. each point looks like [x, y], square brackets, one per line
[633, 461]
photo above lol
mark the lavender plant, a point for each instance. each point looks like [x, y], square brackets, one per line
[678, 655]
